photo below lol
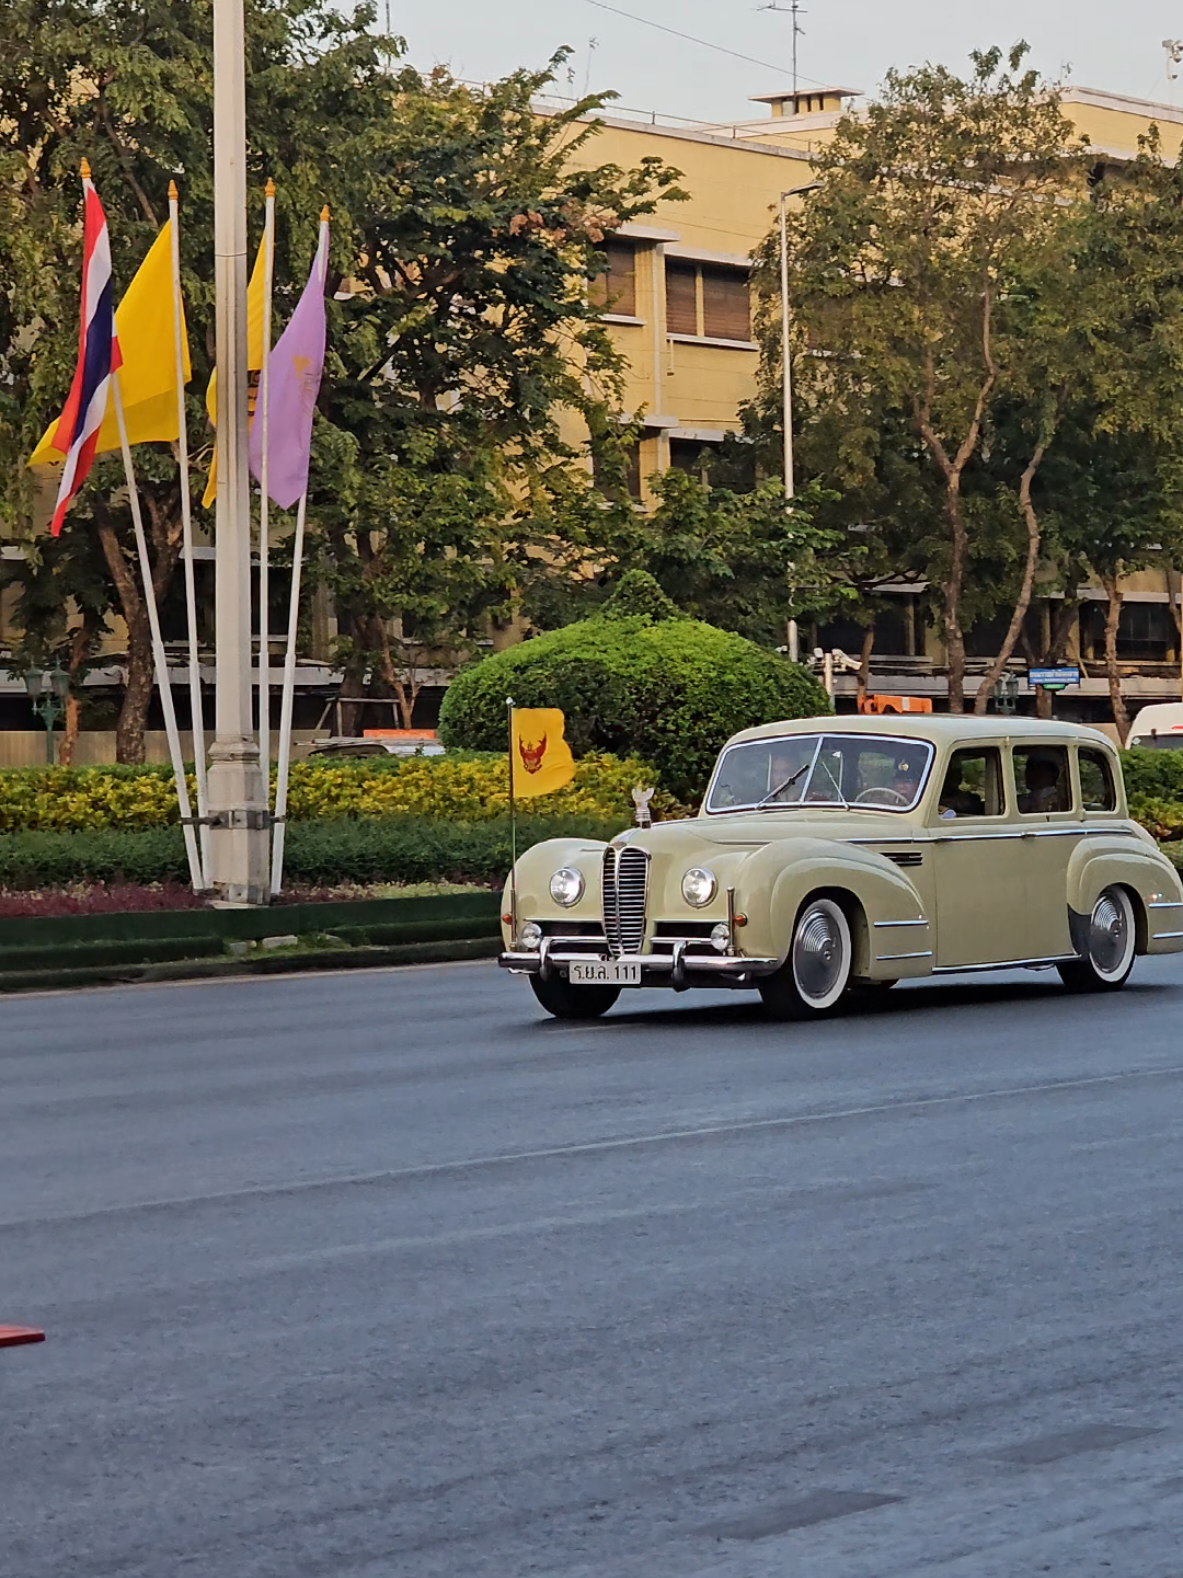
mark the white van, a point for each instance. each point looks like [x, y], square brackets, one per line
[1158, 728]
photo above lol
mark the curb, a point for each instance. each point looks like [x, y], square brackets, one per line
[360, 958]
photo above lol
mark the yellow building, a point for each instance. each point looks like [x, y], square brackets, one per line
[677, 295]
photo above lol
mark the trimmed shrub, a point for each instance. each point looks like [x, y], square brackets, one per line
[1153, 775]
[469, 789]
[671, 691]
[322, 853]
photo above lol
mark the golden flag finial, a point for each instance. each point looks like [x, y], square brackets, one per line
[84, 169]
[172, 191]
[324, 215]
[269, 189]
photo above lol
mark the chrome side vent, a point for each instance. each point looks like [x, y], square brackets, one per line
[624, 888]
[903, 857]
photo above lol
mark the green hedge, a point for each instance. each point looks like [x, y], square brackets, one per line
[1153, 775]
[670, 691]
[390, 849]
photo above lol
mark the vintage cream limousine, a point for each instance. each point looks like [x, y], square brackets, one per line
[838, 855]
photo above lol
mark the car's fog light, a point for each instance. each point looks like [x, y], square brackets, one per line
[721, 936]
[566, 886]
[699, 886]
[530, 936]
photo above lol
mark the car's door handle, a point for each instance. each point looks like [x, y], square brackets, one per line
[1026, 835]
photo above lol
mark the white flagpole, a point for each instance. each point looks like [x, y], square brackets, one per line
[195, 703]
[265, 500]
[158, 657]
[285, 712]
[289, 659]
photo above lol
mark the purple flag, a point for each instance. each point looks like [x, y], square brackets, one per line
[293, 382]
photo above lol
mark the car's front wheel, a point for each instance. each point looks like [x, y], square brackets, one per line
[1109, 946]
[565, 1001]
[816, 973]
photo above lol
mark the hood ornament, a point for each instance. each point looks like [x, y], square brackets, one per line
[641, 799]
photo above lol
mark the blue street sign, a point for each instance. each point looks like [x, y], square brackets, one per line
[1053, 678]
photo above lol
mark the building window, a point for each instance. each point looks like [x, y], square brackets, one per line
[619, 478]
[614, 289]
[726, 305]
[707, 300]
[681, 298]
[1145, 632]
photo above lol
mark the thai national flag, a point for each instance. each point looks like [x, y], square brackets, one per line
[98, 356]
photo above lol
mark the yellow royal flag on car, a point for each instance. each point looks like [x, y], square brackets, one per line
[540, 758]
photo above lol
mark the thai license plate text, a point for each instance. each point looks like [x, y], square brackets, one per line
[606, 972]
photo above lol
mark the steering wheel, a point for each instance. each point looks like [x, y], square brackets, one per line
[903, 799]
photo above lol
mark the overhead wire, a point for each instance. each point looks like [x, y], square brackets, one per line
[705, 43]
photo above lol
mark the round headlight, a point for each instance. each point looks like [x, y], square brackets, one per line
[530, 937]
[699, 886]
[566, 886]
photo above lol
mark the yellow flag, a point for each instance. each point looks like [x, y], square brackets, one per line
[541, 759]
[148, 377]
[254, 357]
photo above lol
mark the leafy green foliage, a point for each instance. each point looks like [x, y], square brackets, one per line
[1157, 774]
[323, 853]
[671, 692]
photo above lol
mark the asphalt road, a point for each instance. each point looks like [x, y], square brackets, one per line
[385, 1275]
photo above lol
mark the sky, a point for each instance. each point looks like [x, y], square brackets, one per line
[850, 43]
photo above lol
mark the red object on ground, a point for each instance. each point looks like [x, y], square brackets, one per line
[13, 1336]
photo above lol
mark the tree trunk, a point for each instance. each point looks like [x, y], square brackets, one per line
[1023, 601]
[80, 642]
[1112, 619]
[954, 635]
[864, 667]
[137, 694]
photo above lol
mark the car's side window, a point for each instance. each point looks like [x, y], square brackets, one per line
[1098, 791]
[1041, 779]
[973, 784]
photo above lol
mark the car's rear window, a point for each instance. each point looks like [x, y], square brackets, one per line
[874, 772]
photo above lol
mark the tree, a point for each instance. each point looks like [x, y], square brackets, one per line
[668, 688]
[465, 243]
[127, 85]
[914, 270]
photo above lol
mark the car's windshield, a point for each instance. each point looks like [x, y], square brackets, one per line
[874, 772]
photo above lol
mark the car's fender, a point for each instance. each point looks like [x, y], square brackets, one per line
[1106, 860]
[891, 921]
[535, 868]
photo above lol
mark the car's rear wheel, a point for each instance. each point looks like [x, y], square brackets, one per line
[565, 1001]
[813, 978]
[1109, 946]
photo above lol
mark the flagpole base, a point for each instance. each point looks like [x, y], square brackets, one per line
[240, 830]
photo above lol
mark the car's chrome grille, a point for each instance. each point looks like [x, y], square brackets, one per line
[625, 882]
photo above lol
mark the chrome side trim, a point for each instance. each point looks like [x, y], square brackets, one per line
[1161, 936]
[1003, 964]
[890, 958]
[975, 838]
[1165, 904]
[885, 925]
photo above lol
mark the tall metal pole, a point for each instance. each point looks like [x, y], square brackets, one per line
[237, 790]
[786, 386]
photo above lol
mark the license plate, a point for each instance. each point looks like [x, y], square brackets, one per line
[606, 972]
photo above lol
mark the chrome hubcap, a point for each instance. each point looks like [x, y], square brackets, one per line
[817, 955]
[1108, 935]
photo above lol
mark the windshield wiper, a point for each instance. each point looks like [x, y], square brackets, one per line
[780, 788]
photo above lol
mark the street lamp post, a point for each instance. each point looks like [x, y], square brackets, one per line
[786, 368]
[238, 808]
[48, 689]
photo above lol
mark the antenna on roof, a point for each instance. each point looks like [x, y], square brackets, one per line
[1174, 53]
[795, 10]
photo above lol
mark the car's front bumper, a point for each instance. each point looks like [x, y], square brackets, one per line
[678, 967]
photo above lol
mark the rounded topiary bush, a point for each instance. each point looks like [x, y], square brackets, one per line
[669, 690]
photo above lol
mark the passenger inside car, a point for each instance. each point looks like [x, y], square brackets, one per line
[1041, 777]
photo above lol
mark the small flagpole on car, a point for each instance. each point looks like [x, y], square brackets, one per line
[513, 834]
